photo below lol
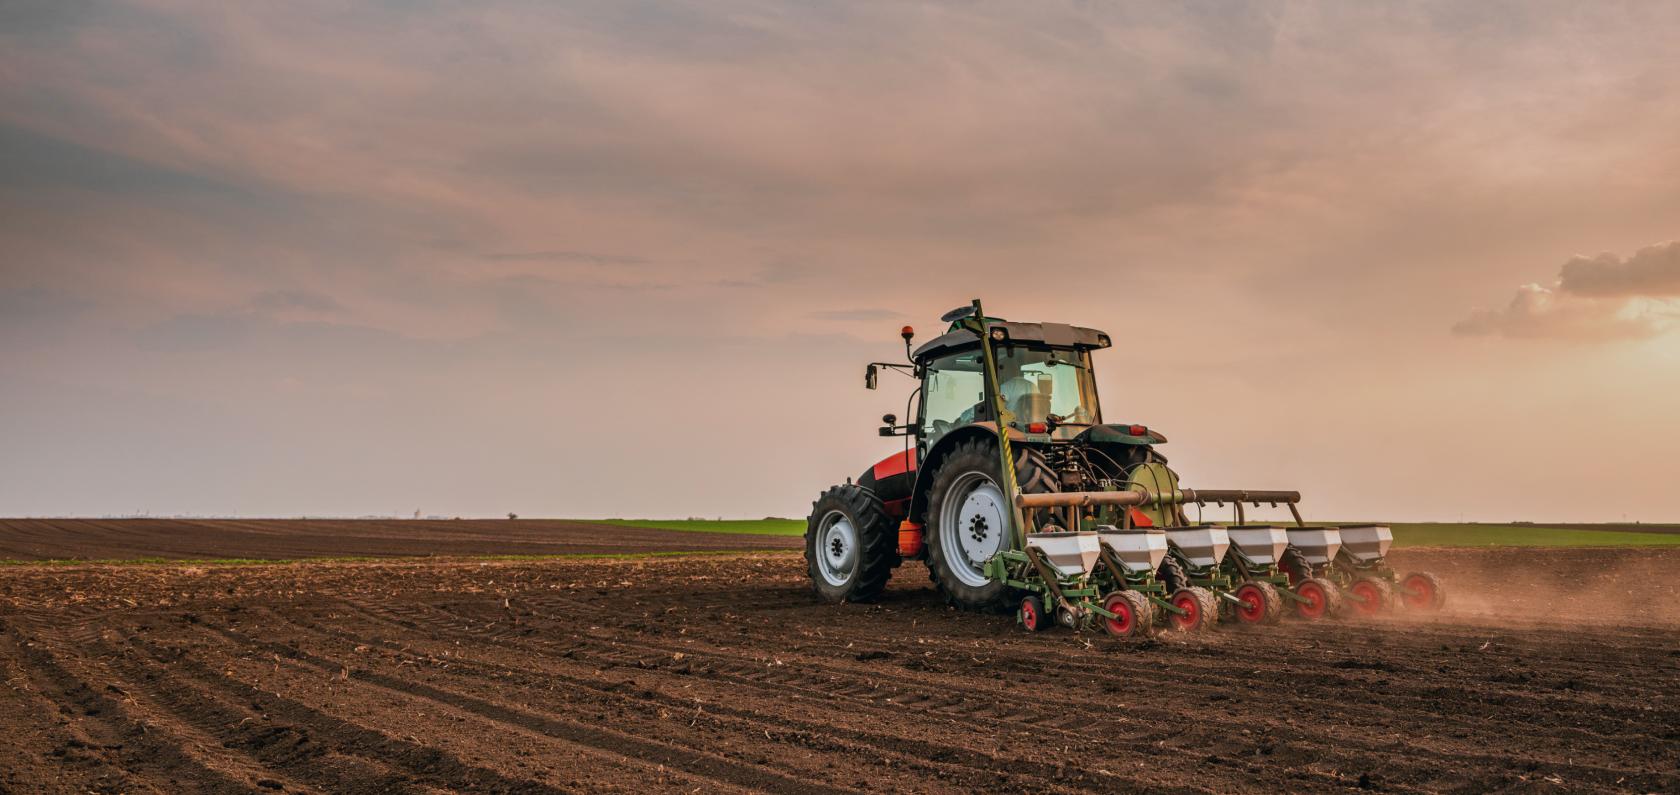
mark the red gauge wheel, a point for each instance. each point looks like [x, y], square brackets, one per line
[1032, 614]
[1260, 603]
[1199, 609]
[1422, 591]
[1322, 599]
[1371, 596]
[1131, 614]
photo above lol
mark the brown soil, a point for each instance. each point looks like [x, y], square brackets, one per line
[282, 539]
[722, 674]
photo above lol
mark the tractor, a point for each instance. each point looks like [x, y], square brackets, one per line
[1006, 455]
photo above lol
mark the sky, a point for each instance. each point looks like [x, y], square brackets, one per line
[627, 259]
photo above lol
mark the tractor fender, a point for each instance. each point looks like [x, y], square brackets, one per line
[936, 455]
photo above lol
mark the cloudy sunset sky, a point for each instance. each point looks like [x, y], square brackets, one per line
[614, 258]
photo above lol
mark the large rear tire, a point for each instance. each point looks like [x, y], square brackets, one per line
[850, 545]
[968, 521]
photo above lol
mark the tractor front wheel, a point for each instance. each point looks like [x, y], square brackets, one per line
[850, 545]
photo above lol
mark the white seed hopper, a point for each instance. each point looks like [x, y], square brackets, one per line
[1139, 549]
[1071, 553]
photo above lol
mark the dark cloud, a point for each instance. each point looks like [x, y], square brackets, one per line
[1536, 312]
[1652, 272]
[30, 160]
[1596, 299]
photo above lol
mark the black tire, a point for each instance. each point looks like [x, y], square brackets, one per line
[1171, 573]
[876, 551]
[1295, 565]
[978, 455]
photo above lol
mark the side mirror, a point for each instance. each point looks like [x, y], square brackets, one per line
[869, 376]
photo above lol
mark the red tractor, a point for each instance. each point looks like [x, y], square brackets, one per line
[941, 499]
[1006, 455]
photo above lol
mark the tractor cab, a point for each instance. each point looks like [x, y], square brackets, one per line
[1044, 376]
[1051, 392]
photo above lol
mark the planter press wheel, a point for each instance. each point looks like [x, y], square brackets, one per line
[1323, 600]
[1133, 615]
[1260, 603]
[1371, 596]
[1422, 590]
[1200, 608]
[1032, 615]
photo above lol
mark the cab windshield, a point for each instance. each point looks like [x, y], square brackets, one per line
[1036, 383]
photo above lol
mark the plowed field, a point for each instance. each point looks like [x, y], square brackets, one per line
[99, 539]
[720, 673]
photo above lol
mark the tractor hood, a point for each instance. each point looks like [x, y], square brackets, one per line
[1056, 335]
[1117, 433]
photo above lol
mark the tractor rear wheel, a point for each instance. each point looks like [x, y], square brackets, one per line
[1133, 614]
[1261, 603]
[1421, 590]
[1371, 596]
[1323, 600]
[1200, 609]
[971, 521]
[850, 545]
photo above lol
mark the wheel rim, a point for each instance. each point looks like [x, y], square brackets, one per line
[972, 526]
[837, 551]
[1418, 592]
[1367, 594]
[1192, 612]
[1316, 600]
[1029, 615]
[1253, 608]
[1123, 620]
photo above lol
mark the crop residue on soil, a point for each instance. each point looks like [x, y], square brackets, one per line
[722, 674]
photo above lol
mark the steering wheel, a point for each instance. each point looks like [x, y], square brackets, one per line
[940, 427]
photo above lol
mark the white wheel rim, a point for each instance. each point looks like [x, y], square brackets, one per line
[972, 527]
[836, 549]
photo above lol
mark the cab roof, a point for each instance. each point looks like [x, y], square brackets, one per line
[1053, 335]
